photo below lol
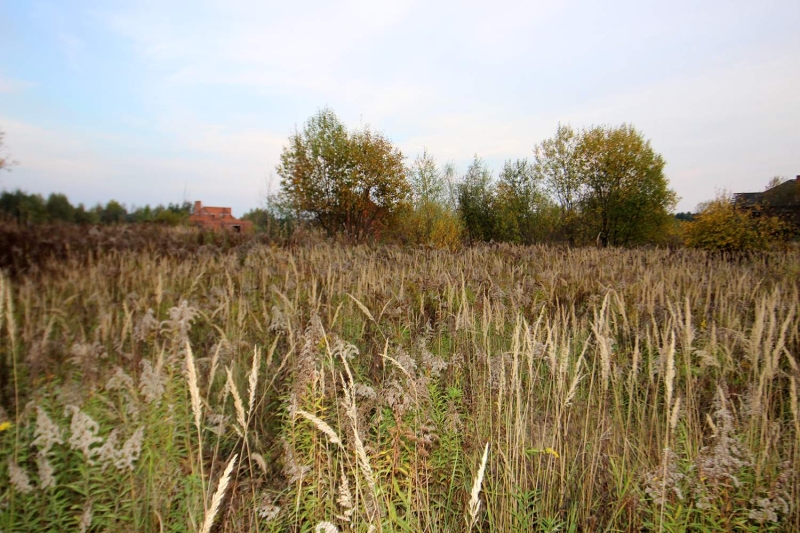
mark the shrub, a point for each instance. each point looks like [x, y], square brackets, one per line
[721, 225]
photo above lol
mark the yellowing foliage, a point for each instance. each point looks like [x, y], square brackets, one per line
[433, 225]
[723, 226]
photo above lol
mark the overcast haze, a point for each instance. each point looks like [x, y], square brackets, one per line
[156, 102]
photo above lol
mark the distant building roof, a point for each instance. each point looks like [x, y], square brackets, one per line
[782, 200]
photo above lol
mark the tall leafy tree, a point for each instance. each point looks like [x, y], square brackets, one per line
[28, 208]
[475, 201]
[522, 210]
[346, 182]
[59, 208]
[113, 213]
[427, 182]
[556, 165]
[432, 220]
[627, 199]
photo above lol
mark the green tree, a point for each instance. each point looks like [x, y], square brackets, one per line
[556, 165]
[430, 220]
[274, 218]
[113, 213]
[431, 214]
[475, 202]
[427, 183]
[523, 212]
[58, 208]
[27, 208]
[627, 199]
[451, 185]
[84, 216]
[351, 182]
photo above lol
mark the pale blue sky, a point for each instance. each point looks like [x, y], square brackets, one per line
[157, 101]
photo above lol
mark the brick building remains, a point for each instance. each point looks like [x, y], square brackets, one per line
[218, 218]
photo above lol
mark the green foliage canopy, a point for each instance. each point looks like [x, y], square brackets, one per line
[351, 182]
[627, 199]
[609, 184]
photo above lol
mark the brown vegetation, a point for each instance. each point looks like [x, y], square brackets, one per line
[497, 388]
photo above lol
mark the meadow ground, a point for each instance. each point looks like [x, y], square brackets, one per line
[320, 388]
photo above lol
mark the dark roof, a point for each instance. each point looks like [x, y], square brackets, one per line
[787, 194]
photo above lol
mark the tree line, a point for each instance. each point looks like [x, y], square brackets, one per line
[603, 184]
[34, 208]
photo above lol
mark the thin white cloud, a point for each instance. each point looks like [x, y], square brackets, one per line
[224, 166]
[14, 86]
[714, 88]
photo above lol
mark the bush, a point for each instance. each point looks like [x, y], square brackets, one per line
[722, 226]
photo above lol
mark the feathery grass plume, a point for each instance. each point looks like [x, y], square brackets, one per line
[634, 362]
[152, 382]
[793, 404]
[268, 511]
[222, 487]
[363, 460]
[194, 389]
[237, 402]
[320, 425]
[119, 380]
[293, 471]
[601, 332]
[83, 433]
[86, 518]
[362, 307]
[18, 477]
[260, 461]
[214, 363]
[474, 500]
[576, 379]
[673, 419]
[122, 457]
[47, 432]
[345, 498]
[147, 325]
[252, 382]
[108, 451]
[326, 527]
[180, 320]
[669, 377]
[352, 413]
[46, 472]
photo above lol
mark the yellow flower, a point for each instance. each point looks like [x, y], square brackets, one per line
[548, 451]
[552, 452]
[4, 426]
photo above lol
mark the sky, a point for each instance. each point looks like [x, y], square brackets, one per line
[152, 102]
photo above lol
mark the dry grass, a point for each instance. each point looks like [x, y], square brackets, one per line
[523, 389]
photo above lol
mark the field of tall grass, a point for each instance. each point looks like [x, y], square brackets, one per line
[374, 389]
